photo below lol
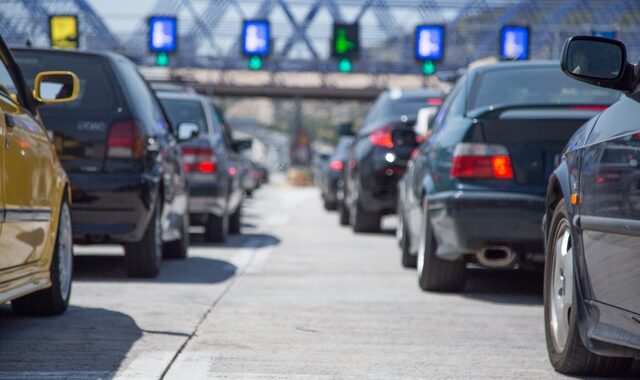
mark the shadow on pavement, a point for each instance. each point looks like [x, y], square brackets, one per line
[93, 341]
[188, 271]
[506, 287]
[243, 240]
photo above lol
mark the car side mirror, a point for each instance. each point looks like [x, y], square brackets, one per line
[598, 61]
[56, 87]
[188, 130]
[242, 144]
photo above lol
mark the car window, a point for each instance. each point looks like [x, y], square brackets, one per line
[97, 91]
[444, 110]
[533, 86]
[144, 101]
[221, 125]
[185, 110]
[7, 85]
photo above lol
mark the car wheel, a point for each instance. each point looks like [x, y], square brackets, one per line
[217, 228]
[408, 260]
[434, 273]
[344, 213]
[143, 258]
[178, 249]
[55, 299]
[235, 221]
[566, 351]
[329, 205]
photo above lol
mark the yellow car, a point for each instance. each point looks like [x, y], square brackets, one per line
[36, 246]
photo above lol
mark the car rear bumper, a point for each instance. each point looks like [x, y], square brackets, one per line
[206, 199]
[464, 222]
[378, 191]
[111, 207]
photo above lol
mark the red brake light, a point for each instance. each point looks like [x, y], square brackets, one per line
[125, 140]
[336, 165]
[481, 161]
[594, 107]
[382, 137]
[435, 101]
[199, 159]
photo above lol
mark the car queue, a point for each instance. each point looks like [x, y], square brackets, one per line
[108, 160]
[516, 148]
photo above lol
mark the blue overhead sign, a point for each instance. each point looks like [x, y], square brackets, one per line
[163, 34]
[514, 43]
[604, 34]
[256, 38]
[429, 42]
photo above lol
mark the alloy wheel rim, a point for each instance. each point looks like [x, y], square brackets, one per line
[561, 289]
[65, 253]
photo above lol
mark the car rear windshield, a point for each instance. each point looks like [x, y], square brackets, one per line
[184, 110]
[535, 86]
[408, 107]
[97, 89]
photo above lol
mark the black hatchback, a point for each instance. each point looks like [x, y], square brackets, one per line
[478, 190]
[379, 154]
[124, 164]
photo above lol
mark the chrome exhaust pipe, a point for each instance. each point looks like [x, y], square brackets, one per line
[496, 256]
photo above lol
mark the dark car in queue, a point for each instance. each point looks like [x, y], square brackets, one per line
[478, 191]
[212, 163]
[122, 159]
[332, 173]
[379, 154]
[592, 224]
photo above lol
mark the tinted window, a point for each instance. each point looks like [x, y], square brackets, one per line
[532, 86]
[144, 102]
[180, 110]
[97, 91]
[408, 107]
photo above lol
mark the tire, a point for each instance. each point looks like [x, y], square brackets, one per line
[344, 213]
[408, 260]
[566, 351]
[329, 206]
[178, 249]
[434, 273]
[217, 228]
[55, 299]
[235, 221]
[362, 220]
[143, 258]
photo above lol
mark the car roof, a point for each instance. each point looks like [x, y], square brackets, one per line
[108, 54]
[182, 96]
[399, 93]
[514, 65]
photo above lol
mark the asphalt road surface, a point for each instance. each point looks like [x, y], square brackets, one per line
[294, 296]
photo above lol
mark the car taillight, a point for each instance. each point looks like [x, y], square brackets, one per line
[125, 140]
[199, 159]
[481, 161]
[435, 101]
[336, 165]
[589, 107]
[382, 137]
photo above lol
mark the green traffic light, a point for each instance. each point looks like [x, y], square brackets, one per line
[255, 63]
[344, 65]
[162, 59]
[428, 68]
[342, 44]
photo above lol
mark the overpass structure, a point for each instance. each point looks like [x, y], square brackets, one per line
[209, 36]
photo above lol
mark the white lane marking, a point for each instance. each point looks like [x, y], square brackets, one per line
[147, 365]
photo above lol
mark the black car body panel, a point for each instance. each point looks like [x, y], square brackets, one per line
[599, 165]
[332, 173]
[470, 214]
[113, 198]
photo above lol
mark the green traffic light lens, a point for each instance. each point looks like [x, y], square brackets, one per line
[162, 59]
[255, 63]
[428, 68]
[344, 65]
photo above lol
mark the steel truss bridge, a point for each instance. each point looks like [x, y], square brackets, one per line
[209, 32]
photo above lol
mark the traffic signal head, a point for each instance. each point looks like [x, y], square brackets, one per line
[345, 65]
[255, 63]
[346, 41]
[428, 68]
[162, 59]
